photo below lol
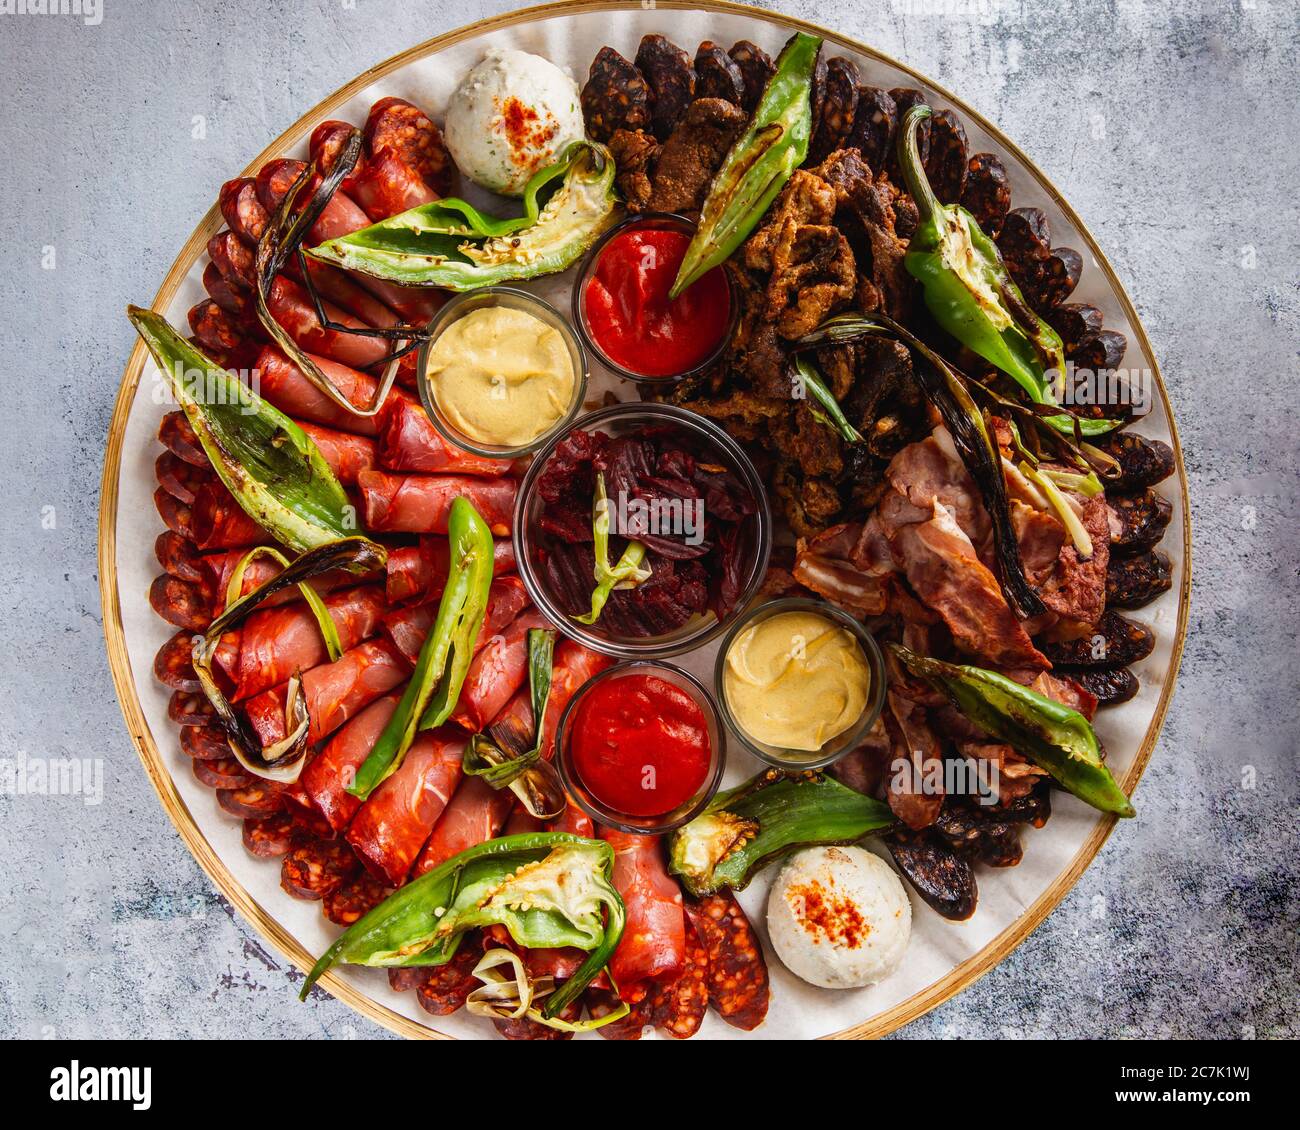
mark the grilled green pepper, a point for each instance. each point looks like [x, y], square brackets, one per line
[971, 294]
[630, 570]
[746, 828]
[812, 382]
[445, 656]
[451, 244]
[548, 889]
[758, 165]
[1050, 734]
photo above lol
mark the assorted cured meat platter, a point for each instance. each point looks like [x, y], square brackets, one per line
[643, 523]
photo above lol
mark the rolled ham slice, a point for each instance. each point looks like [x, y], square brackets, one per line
[281, 382]
[421, 504]
[408, 441]
[499, 669]
[325, 779]
[653, 945]
[292, 307]
[219, 569]
[347, 454]
[406, 628]
[419, 572]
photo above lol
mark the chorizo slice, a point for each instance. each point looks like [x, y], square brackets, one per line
[940, 876]
[738, 981]
[222, 773]
[525, 1029]
[243, 212]
[214, 328]
[1074, 321]
[176, 434]
[839, 105]
[1025, 242]
[615, 97]
[180, 602]
[172, 666]
[178, 478]
[234, 259]
[270, 837]
[1100, 351]
[177, 515]
[717, 76]
[317, 868]
[986, 194]
[1140, 521]
[179, 557]
[756, 68]
[327, 141]
[204, 743]
[875, 125]
[260, 798]
[1056, 280]
[601, 1002]
[946, 165]
[668, 71]
[1114, 641]
[1142, 462]
[905, 97]
[405, 130]
[1132, 582]
[404, 979]
[356, 898]
[237, 303]
[1110, 688]
[678, 1007]
[446, 987]
[185, 708]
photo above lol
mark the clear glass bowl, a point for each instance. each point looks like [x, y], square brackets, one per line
[836, 747]
[658, 220]
[504, 296]
[702, 437]
[684, 812]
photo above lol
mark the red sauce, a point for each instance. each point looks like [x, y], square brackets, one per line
[629, 314]
[640, 745]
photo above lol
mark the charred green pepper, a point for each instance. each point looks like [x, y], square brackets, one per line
[1050, 734]
[758, 165]
[833, 414]
[451, 244]
[630, 570]
[746, 828]
[971, 294]
[548, 889]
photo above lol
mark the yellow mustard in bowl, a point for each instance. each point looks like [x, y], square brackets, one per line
[796, 680]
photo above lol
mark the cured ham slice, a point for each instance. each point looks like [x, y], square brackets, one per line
[499, 669]
[408, 441]
[421, 504]
[653, 945]
[221, 523]
[346, 453]
[327, 775]
[419, 572]
[407, 627]
[281, 382]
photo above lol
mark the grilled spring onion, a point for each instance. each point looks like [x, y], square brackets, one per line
[1064, 510]
[1050, 734]
[271, 466]
[630, 570]
[811, 381]
[947, 391]
[506, 757]
[283, 761]
[746, 828]
[514, 995]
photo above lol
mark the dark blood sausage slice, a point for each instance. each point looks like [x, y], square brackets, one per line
[235, 302]
[357, 897]
[679, 1006]
[941, 877]
[601, 1002]
[946, 165]
[178, 478]
[1142, 462]
[445, 988]
[717, 76]
[987, 193]
[1074, 321]
[817, 87]
[905, 97]
[738, 983]
[1025, 242]
[1142, 517]
[222, 773]
[1110, 687]
[177, 436]
[839, 105]
[269, 837]
[261, 798]
[409, 133]
[525, 1029]
[667, 69]
[1099, 351]
[616, 96]
[756, 68]
[188, 709]
[234, 259]
[204, 743]
[1132, 582]
[180, 602]
[1056, 281]
[404, 980]
[875, 125]
[1114, 641]
[175, 513]
[243, 212]
[313, 870]
[172, 666]
[178, 556]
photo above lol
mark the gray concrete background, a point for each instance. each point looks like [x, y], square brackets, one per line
[1170, 126]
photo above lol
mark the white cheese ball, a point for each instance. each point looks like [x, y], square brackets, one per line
[838, 917]
[513, 114]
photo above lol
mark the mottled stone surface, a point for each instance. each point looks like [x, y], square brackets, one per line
[1170, 127]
